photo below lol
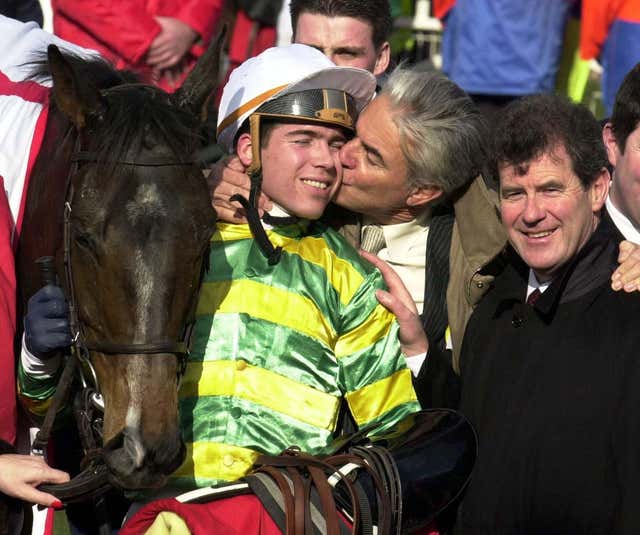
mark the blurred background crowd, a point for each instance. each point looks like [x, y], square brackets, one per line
[496, 50]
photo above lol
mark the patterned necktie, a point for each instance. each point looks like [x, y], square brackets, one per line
[533, 296]
[372, 239]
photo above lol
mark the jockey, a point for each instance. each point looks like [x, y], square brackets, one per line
[288, 328]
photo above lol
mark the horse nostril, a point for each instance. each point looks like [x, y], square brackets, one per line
[115, 443]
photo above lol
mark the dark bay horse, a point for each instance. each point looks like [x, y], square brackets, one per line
[117, 163]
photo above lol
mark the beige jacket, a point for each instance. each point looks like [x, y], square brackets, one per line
[478, 239]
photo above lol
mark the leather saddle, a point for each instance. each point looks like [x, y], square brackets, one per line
[396, 482]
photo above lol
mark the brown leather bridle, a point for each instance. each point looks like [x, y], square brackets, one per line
[95, 480]
[80, 343]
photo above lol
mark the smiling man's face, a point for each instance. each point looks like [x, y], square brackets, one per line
[548, 214]
[301, 168]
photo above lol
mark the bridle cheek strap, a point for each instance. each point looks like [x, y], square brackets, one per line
[251, 205]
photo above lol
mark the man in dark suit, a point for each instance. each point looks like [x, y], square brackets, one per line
[549, 365]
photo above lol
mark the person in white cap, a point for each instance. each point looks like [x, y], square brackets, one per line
[288, 327]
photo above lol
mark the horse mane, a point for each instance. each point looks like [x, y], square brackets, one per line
[132, 110]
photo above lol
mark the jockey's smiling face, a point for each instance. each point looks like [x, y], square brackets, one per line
[301, 168]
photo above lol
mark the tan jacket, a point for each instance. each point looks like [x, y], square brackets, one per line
[478, 239]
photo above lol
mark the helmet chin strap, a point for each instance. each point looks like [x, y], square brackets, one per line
[251, 205]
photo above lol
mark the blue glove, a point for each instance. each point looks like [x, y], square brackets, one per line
[46, 325]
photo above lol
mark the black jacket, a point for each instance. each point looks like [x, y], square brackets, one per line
[554, 393]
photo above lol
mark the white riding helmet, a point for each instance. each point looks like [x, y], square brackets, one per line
[292, 81]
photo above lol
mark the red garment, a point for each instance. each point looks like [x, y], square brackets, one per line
[249, 39]
[7, 323]
[597, 17]
[123, 30]
[442, 7]
[241, 515]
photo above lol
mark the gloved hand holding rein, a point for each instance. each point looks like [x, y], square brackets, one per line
[46, 324]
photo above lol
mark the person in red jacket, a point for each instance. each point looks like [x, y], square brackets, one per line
[159, 39]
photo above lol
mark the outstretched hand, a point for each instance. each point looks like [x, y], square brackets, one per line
[21, 474]
[398, 301]
[627, 276]
[228, 178]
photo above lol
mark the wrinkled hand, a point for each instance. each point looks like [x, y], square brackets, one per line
[21, 474]
[228, 177]
[627, 276]
[171, 44]
[398, 301]
[46, 325]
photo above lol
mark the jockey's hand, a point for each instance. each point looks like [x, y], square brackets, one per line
[627, 276]
[227, 177]
[21, 474]
[46, 325]
[398, 301]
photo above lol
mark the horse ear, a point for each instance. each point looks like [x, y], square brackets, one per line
[76, 100]
[202, 81]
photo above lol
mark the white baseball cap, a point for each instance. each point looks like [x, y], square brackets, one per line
[284, 70]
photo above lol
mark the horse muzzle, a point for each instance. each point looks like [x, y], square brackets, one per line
[135, 465]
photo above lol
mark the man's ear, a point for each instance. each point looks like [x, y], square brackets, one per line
[611, 144]
[421, 196]
[382, 61]
[600, 190]
[243, 149]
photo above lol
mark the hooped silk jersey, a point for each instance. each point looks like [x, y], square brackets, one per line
[277, 348]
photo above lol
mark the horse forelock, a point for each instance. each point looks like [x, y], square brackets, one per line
[138, 121]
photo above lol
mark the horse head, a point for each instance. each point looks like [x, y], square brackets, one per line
[137, 225]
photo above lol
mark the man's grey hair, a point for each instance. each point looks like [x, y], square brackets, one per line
[441, 131]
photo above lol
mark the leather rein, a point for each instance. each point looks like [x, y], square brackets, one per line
[94, 480]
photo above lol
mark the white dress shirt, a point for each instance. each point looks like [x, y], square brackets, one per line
[534, 285]
[405, 251]
[624, 224]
